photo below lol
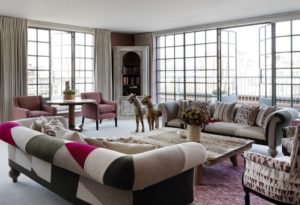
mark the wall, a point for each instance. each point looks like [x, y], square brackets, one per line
[121, 39]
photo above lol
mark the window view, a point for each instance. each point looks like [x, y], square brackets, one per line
[241, 72]
[187, 65]
[51, 62]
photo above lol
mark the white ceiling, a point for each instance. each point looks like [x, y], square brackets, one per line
[134, 16]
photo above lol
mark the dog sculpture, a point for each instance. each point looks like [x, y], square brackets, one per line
[152, 112]
[139, 111]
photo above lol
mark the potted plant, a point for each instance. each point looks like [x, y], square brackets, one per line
[69, 94]
[195, 118]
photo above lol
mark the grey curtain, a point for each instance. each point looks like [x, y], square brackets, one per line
[13, 63]
[103, 63]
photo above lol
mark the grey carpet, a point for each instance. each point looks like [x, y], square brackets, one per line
[28, 192]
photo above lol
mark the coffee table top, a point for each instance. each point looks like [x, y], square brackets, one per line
[218, 147]
[71, 102]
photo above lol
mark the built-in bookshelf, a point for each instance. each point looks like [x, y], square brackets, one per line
[131, 80]
[131, 75]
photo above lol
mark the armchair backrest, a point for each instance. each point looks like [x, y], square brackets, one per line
[92, 95]
[29, 102]
[295, 154]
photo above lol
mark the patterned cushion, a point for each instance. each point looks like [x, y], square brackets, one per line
[201, 104]
[264, 112]
[246, 114]
[224, 111]
[38, 123]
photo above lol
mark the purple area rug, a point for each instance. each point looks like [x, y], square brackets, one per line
[221, 184]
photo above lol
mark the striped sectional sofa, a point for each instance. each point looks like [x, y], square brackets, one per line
[84, 174]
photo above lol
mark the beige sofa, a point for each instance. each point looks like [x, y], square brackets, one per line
[270, 135]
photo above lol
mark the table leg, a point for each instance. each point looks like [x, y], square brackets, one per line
[234, 160]
[72, 125]
[198, 175]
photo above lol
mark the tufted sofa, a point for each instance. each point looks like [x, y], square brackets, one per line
[85, 174]
[270, 135]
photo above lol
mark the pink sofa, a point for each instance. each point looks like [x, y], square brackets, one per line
[102, 109]
[31, 106]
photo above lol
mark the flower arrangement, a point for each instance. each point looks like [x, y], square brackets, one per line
[195, 116]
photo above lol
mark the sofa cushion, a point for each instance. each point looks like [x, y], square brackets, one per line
[252, 132]
[224, 111]
[246, 114]
[224, 128]
[175, 123]
[201, 104]
[38, 123]
[264, 112]
[128, 148]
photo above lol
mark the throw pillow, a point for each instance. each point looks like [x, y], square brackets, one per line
[183, 105]
[264, 112]
[224, 111]
[128, 148]
[246, 114]
[201, 104]
[38, 123]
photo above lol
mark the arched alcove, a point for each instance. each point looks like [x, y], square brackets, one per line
[131, 77]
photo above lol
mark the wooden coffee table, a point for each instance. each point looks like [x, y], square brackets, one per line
[218, 147]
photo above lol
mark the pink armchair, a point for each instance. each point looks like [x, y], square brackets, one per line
[102, 109]
[31, 106]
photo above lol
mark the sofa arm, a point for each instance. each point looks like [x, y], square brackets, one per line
[20, 113]
[157, 165]
[49, 109]
[169, 111]
[274, 124]
[280, 164]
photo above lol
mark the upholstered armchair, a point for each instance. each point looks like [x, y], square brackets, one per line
[31, 106]
[275, 179]
[102, 109]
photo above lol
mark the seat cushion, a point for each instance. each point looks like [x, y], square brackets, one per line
[175, 123]
[103, 108]
[225, 128]
[38, 113]
[251, 132]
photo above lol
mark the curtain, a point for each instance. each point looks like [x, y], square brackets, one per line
[13, 63]
[103, 63]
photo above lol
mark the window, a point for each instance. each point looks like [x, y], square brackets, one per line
[187, 66]
[39, 62]
[58, 56]
[252, 62]
[287, 38]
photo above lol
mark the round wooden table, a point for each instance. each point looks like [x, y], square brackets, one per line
[71, 104]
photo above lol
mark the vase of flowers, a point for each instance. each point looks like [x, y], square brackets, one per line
[195, 118]
[69, 94]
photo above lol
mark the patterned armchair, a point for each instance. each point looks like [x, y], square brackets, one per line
[275, 179]
[102, 109]
[31, 106]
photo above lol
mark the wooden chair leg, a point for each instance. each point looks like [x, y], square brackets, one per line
[97, 125]
[100, 121]
[116, 122]
[82, 121]
[247, 197]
